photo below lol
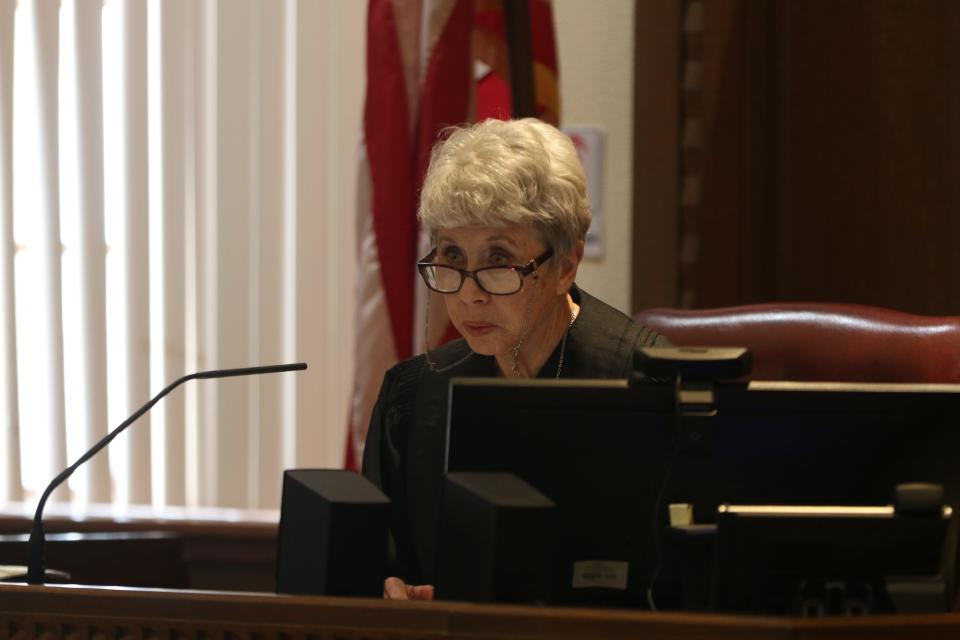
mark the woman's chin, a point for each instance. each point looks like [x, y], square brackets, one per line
[483, 346]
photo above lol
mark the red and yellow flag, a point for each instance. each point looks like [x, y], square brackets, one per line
[430, 64]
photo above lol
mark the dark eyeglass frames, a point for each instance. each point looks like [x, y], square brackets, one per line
[498, 281]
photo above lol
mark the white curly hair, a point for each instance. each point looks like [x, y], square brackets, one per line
[497, 172]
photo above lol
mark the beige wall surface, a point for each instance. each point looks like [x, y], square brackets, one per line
[595, 50]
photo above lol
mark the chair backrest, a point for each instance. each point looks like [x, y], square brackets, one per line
[838, 342]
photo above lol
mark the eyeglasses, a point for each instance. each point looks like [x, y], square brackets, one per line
[498, 281]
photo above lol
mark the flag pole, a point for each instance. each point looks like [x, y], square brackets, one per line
[517, 15]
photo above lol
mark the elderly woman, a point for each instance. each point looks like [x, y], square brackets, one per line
[507, 210]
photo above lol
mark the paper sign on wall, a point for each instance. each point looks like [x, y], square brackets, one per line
[589, 144]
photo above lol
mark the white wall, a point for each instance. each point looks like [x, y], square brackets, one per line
[595, 49]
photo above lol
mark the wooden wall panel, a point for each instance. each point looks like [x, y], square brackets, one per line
[868, 205]
[717, 236]
[829, 155]
[657, 114]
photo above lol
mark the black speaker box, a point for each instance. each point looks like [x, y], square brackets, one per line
[333, 534]
[496, 540]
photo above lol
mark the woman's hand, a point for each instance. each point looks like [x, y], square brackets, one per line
[397, 589]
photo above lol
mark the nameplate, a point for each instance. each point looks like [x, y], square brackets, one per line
[605, 574]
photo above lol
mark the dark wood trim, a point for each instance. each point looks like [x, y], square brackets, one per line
[656, 153]
[84, 613]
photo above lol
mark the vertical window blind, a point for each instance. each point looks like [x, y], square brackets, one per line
[177, 193]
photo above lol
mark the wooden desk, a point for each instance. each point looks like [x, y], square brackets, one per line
[192, 548]
[140, 559]
[88, 613]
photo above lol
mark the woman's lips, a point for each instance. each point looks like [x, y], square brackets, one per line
[477, 329]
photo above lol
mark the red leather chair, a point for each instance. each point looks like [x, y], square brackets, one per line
[836, 342]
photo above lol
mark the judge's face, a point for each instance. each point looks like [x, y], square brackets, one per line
[493, 324]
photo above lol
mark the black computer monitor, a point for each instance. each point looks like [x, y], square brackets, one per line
[608, 455]
[832, 560]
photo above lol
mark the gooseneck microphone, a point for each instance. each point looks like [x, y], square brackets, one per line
[35, 567]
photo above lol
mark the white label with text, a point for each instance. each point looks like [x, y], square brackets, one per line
[607, 574]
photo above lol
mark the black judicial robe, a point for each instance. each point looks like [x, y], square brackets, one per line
[405, 442]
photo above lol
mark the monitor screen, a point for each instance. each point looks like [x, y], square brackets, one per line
[832, 560]
[607, 454]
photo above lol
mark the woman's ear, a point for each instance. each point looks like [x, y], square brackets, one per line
[568, 265]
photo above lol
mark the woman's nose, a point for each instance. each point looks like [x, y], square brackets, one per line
[471, 293]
